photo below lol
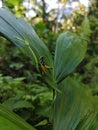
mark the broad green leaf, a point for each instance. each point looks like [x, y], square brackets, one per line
[68, 105]
[75, 108]
[90, 120]
[87, 122]
[23, 35]
[70, 51]
[9, 120]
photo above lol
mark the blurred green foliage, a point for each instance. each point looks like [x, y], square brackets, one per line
[88, 69]
[26, 99]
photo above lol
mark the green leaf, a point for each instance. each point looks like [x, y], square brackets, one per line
[85, 29]
[86, 122]
[11, 104]
[75, 108]
[23, 35]
[90, 120]
[9, 120]
[44, 122]
[67, 110]
[70, 51]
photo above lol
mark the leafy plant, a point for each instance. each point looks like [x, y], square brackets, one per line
[20, 97]
[12, 121]
[71, 106]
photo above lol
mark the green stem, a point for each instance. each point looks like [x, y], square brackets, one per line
[32, 52]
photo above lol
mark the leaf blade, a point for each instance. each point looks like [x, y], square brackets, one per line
[70, 51]
[12, 27]
[13, 120]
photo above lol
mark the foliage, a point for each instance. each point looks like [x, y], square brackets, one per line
[15, 6]
[34, 98]
[12, 121]
[68, 43]
[72, 108]
[21, 98]
[87, 70]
